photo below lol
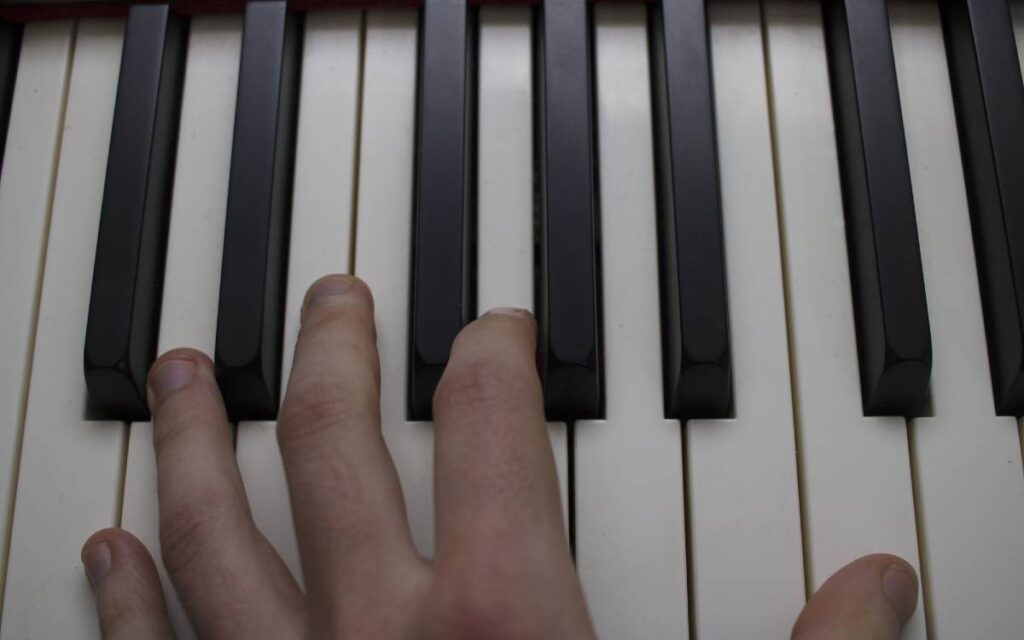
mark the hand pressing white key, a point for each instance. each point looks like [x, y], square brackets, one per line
[502, 567]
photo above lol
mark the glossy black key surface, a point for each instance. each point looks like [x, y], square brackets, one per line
[989, 97]
[567, 306]
[253, 268]
[10, 46]
[893, 335]
[124, 309]
[442, 283]
[695, 320]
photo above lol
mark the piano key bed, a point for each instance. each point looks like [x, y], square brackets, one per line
[775, 249]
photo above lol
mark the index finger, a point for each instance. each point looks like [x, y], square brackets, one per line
[495, 478]
[230, 580]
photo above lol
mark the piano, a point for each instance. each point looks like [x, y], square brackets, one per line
[775, 249]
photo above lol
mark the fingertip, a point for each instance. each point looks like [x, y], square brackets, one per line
[491, 366]
[113, 549]
[335, 286]
[173, 371]
[182, 353]
[900, 586]
[96, 557]
[875, 594]
[501, 326]
[510, 311]
[129, 598]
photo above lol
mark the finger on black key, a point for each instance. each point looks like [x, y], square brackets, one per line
[499, 516]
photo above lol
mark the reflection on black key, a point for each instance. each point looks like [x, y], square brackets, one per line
[695, 321]
[893, 335]
[10, 45]
[989, 100]
[568, 310]
[252, 285]
[442, 263]
[127, 278]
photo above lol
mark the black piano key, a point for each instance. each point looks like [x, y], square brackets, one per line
[568, 301]
[10, 47]
[989, 98]
[442, 284]
[890, 307]
[124, 309]
[695, 320]
[253, 267]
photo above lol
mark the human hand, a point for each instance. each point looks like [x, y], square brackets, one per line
[502, 567]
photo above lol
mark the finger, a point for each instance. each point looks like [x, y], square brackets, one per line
[869, 599]
[230, 580]
[346, 498]
[129, 600]
[496, 485]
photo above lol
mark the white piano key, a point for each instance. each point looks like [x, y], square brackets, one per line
[746, 467]
[630, 533]
[969, 482]
[188, 315]
[196, 233]
[383, 244]
[26, 189]
[505, 159]
[505, 177]
[321, 225]
[71, 468]
[855, 472]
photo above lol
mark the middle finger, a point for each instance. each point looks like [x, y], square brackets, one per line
[350, 522]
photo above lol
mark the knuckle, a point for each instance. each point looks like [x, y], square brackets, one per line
[318, 408]
[131, 608]
[346, 312]
[480, 384]
[168, 433]
[471, 609]
[114, 621]
[192, 531]
[183, 416]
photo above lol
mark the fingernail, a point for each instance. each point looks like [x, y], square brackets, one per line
[171, 376]
[327, 287]
[510, 311]
[96, 559]
[900, 588]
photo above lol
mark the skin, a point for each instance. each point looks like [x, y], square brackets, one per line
[502, 568]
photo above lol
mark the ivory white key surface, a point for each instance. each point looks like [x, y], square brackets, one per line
[71, 469]
[26, 190]
[321, 227]
[969, 483]
[505, 159]
[630, 533]
[505, 177]
[196, 233]
[856, 490]
[745, 540]
[188, 315]
[383, 245]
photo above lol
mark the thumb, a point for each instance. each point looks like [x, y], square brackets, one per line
[869, 599]
[129, 600]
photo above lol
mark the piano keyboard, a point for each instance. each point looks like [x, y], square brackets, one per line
[774, 247]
